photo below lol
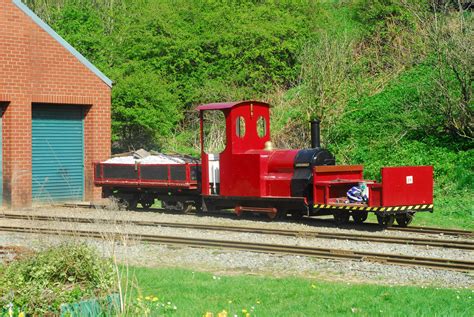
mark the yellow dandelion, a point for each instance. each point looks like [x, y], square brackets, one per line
[139, 299]
[244, 311]
[313, 286]
[154, 299]
[230, 302]
[258, 301]
[222, 314]
[247, 315]
[21, 314]
[148, 298]
[208, 314]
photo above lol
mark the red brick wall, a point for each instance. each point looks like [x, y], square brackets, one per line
[35, 68]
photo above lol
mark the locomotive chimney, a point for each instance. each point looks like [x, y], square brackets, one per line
[315, 134]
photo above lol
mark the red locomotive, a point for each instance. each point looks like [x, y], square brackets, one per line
[250, 176]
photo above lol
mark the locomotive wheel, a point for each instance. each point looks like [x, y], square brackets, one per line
[386, 221]
[341, 217]
[296, 215]
[279, 215]
[359, 216]
[404, 220]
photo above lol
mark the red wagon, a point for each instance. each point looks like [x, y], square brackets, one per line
[176, 185]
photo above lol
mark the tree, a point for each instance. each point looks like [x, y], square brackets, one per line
[145, 111]
[449, 34]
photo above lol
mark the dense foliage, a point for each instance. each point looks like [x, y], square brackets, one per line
[391, 79]
[38, 284]
[166, 57]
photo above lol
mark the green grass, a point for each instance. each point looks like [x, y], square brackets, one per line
[449, 212]
[441, 220]
[195, 293]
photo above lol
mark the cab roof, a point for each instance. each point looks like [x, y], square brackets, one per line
[228, 105]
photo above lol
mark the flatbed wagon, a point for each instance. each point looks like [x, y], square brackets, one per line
[175, 185]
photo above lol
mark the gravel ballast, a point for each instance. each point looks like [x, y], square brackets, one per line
[230, 262]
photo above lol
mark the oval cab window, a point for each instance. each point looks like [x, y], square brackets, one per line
[240, 127]
[261, 127]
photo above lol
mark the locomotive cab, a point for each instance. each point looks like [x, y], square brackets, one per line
[232, 172]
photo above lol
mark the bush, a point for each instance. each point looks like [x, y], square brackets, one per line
[40, 283]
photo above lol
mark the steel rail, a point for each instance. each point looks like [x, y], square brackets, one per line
[434, 230]
[455, 244]
[326, 253]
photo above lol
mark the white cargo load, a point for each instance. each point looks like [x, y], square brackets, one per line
[143, 157]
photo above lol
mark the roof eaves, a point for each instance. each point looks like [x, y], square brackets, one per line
[63, 42]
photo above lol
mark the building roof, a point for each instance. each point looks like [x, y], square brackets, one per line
[227, 105]
[61, 41]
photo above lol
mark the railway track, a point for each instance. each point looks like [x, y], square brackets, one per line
[414, 229]
[370, 226]
[432, 242]
[434, 230]
[326, 253]
[6, 250]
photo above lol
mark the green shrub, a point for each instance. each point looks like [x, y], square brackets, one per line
[40, 283]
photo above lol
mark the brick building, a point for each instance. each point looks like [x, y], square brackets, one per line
[55, 108]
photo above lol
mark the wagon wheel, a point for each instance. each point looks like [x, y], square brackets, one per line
[183, 207]
[132, 203]
[147, 202]
[359, 216]
[166, 205]
[386, 221]
[198, 206]
[341, 217]
[187, 207]
[404, 220]
[122, 204]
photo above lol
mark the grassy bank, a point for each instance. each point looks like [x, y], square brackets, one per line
[196, 293]
[454, 212]
[450, 212]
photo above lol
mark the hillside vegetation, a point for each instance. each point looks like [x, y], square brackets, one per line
[391, 80]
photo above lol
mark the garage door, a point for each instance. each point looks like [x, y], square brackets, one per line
[58, 152]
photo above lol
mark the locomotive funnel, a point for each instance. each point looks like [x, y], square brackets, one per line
[315, 134]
